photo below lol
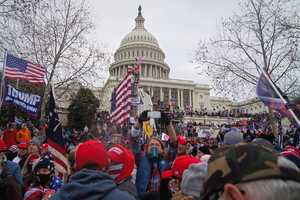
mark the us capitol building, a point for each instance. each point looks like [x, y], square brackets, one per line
[155, 72]
[155, 76]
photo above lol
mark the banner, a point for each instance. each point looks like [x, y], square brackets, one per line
[148, 130]
[30, 103]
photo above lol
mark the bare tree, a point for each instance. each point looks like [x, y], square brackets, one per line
[55, 35]
[9, 7]
[254, 38]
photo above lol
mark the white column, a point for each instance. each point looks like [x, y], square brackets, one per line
[181, 94]
[190, 96]
[159, 73]
[178, 98]
[146, 70]
[151, 75]
[170, 94]
[161, 94]
[151, 91]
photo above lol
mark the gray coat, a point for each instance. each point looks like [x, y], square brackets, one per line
[91, 185]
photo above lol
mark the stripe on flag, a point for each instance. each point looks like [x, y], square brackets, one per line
[120, 101]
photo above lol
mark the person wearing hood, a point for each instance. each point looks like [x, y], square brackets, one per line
[151, 166]
[90, 181]
[41, 189]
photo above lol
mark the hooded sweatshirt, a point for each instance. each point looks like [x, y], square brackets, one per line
[91, 185]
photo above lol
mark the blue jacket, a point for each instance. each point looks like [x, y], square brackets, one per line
[15, 170]
[144, 173]
[91, 185]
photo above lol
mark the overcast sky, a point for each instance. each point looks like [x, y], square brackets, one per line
[178, 25]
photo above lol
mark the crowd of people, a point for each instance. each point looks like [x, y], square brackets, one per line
[114, 163]
[215, 113]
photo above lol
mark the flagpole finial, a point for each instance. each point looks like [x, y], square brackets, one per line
[139, 20]
[140, 10]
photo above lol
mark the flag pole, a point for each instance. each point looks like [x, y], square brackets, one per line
[2, 79]
[280, 96]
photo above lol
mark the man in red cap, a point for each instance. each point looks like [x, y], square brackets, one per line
[9, 188]
[121, 168]
[22, 154]
[12, 167]
[181, 145]
[180, 164]
[90, 180]
[171, 179]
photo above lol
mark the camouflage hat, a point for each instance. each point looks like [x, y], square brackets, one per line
[243, 163]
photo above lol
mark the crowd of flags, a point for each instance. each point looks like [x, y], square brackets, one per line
[19, 69]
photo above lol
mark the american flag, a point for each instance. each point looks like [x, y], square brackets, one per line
[55, 138]
[18, 68]
[120, 101]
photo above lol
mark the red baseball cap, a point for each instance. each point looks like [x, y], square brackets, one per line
[3, 146]
[122, 163]
[23, 145]
[181, 140]
[291, 151]
[180, 164]
[91, 152]
[45, 146]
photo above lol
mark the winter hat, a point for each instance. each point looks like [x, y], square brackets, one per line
[44, 162]
[91, 152]
[193, 179]
[180, 164]
[205, 158]
[263, 142]
[13, 149]
[233, 136]
[3, 146]
[122, 163]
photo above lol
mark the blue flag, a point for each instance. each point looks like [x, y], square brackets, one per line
[270, 98]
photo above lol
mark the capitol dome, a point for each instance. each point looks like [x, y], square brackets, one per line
[139, 34]
[140, 43]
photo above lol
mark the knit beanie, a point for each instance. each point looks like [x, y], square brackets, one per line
[232, 137]
[44, 162]
[193, 179]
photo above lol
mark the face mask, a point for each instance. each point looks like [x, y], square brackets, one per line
[154, 153]
[44, 179]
